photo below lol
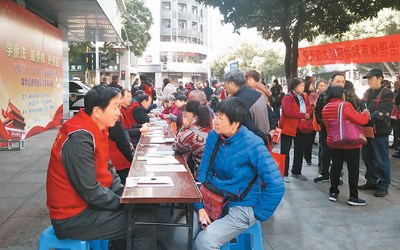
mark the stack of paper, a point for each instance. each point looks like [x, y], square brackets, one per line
[146, 181]
[161, 160]
[165, 168]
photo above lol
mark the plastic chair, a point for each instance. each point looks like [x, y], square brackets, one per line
[48, 240]
[250, 239]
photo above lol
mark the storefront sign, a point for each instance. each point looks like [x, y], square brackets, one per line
[369, 50]
[31, 73]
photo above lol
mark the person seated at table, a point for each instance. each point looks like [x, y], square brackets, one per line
[169, 107]
[240, 157]
[173, 113]
[140, 112]
[83, 190]
[134, 130]
[191, 139]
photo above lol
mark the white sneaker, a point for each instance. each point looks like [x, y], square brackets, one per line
[286, 179]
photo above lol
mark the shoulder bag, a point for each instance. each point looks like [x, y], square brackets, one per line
[214, 199]
[343, 133]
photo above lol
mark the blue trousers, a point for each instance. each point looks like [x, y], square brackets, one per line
[375, 155]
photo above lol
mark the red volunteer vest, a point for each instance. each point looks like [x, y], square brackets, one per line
[130, 113]
[126, 117]
[62, 200]
[117, 158]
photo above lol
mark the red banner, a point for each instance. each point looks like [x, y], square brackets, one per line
[369, 50]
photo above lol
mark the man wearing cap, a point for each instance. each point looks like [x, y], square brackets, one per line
[375, 154]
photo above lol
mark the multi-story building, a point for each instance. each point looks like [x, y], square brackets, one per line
[179, 43]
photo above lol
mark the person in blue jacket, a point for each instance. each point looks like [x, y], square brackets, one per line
[240, 156]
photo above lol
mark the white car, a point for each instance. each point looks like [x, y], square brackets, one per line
[77, 90]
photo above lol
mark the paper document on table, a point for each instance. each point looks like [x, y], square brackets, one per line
[148, 181]
[165, 168]
[161, 160]
[156, 140]
[156, 136]
[169, 139]
[155, 128]
[159, 132]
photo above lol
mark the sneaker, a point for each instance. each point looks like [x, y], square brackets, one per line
[321, 178]
[381, 193]
[367, 186]
[356, 202]
[286, 179]
[300, 177]
[333, 197]
[308, 162]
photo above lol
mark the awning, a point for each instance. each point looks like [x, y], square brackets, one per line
[85, 20]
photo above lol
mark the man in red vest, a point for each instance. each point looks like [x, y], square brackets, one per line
[83, 191]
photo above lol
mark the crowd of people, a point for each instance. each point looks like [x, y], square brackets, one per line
[224, 133]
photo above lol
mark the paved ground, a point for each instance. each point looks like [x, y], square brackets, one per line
[304, 220]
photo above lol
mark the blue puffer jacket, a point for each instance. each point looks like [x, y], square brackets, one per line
[232, 171]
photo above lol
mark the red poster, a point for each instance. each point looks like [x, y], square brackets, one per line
[369, 50]
[30, 73]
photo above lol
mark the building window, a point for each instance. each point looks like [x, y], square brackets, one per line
[166, 23]
[201, 28]
[166, 6]
[165, 38]
[201, 13]
[194, 10]
[182, 24]
[182, 7]
[182, 39]
[194, 26]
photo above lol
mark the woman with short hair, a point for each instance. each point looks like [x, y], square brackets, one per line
[242, 166]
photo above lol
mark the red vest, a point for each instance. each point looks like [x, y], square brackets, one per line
[126, 117]
[117, 158]
[62, 200]
[130, 113]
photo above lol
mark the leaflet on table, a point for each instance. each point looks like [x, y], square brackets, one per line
[165, 168]
[149, 181]
[156, 156]
[161, 160]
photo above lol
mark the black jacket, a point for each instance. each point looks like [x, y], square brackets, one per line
[249, 97]
[323, 99]
[380, 105]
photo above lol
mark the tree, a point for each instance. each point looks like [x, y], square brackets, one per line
[136, 23]
[249, 56]
[290, 21]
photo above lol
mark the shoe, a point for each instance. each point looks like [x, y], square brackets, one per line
[367, 186]
[396, 156]
[392, 146]
[381, 193]
[356, 202]
[300, 177]
[308, 163]
[321, 178]
[333, 197]
[286, 179]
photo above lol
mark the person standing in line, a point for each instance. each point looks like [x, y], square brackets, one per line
[375, 154]
[207, 90]
[168, 89]
[276, 98]
[396, 86]
[337, 79]
[257, 119]
[321, 86]
[346, 153]
[115, 82]
[295, 107]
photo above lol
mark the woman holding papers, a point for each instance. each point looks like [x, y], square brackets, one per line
[236, 161]
[191, 139]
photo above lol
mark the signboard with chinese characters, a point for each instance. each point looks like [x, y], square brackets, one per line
[30, 73]
[369, 50]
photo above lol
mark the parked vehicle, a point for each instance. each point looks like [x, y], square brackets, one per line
[77, 90]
